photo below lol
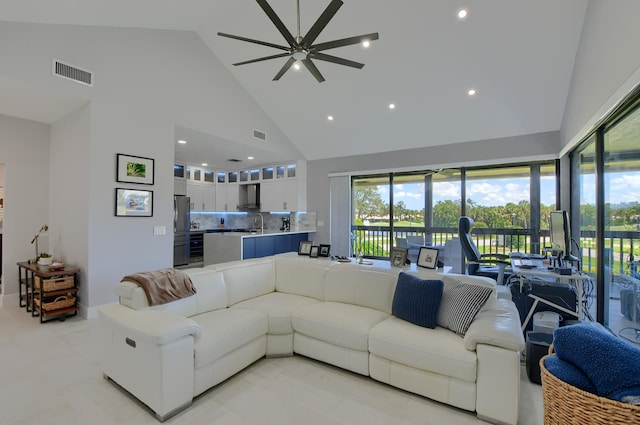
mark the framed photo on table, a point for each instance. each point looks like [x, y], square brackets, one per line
[398, 256]
[134, 169]
[428, 257]
[314, 251]
[304, 247]
[324, 250]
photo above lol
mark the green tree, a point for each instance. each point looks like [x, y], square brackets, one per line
[446, 213]
[367, 203]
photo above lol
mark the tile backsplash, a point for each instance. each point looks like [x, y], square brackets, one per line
[300, 221]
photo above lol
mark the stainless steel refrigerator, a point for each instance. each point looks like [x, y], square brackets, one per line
[181, 230]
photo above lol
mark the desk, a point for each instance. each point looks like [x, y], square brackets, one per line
[575, 279]
[35, 279]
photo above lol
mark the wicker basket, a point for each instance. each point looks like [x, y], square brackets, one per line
[57, 304]
[565, 404]
[55, 284]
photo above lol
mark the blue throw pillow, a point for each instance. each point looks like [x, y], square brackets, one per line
[417, 300]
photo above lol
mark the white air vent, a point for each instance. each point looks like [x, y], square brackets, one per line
[260, 135]
[72, 73]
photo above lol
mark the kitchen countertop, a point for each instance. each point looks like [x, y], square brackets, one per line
[232, 233]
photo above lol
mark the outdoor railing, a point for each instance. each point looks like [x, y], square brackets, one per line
[376, 241]
[622, 248]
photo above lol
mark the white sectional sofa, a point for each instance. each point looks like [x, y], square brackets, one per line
[337, 313]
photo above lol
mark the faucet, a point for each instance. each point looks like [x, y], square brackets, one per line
[261, 221]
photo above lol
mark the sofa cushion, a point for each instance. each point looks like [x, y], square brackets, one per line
[226, 330]
[436, 350]
[460, 304]
[366, 287]
[417, 300]
[278, 307]
[345, 325]
[211, 295]
[248, 279]
[301, 276]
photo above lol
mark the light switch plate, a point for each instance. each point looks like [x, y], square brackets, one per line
[159, 230]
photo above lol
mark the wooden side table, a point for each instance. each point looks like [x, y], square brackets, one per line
[48, 293]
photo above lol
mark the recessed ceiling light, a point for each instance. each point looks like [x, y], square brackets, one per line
[296, 66]
[462, 13]
[471, 92]
[182, 142]
[250, 158]
[392, 106]
[366, 44]
[204, 164]
[330, 117]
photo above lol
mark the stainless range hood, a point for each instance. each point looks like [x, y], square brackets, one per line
[249, 197]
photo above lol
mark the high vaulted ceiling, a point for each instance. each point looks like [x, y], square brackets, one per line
[517, 55]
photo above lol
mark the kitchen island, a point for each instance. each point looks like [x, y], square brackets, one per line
[222, 247]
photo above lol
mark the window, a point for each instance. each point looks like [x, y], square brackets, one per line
[622, 213]
[606, 193]
[509, 204]
[370, 216]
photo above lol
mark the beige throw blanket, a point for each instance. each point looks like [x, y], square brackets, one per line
[163, 286]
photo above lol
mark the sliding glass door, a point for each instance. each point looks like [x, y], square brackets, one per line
[622, 223]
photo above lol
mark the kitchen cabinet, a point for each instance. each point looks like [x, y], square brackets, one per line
[202, 196]
[231, 246]
[200, 175]
[179, 186]
[227, 197]
[279, 195]
[264, 246]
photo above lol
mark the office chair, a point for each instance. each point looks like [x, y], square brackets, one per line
[489, 265]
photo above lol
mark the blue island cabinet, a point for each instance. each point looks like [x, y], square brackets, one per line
[263, 246]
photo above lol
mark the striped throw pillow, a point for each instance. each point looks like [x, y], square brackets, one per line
[459, 305]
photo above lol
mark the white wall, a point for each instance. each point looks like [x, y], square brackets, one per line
[146, 82]
[607, 65]
[24, 149]
[70, 175]
[504, 150]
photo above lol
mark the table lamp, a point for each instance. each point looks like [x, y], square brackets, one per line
[42, 230]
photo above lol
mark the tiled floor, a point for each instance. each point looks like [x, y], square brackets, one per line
[50, 374]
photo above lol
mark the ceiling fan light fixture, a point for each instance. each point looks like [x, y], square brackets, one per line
[366, 43]
[304, 48]
[300, 55]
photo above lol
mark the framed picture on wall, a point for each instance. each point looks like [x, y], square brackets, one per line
[134, 169]
[134, 203]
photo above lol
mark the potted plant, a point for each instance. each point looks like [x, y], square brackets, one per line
[44, 259]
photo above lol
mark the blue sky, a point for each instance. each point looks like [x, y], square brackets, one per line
[623, 187]
[492, 192]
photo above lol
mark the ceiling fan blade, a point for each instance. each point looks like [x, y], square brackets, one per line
[266, 58]
[344, 42]
[322, 22]
[334, 59]
[312, 68]
[277, 22]
[250, 40]
[284, 69]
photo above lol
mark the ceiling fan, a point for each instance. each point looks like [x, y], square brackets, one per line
[302, 48]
